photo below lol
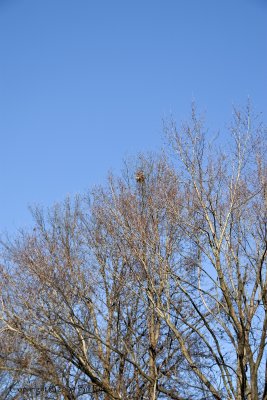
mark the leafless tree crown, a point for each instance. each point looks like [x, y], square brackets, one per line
[152, 287]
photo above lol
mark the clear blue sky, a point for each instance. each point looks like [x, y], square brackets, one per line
[84, 83]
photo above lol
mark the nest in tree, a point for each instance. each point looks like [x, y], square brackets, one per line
[140, 177]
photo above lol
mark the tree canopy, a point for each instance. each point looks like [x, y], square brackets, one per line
[153, 286]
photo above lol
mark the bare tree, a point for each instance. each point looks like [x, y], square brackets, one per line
[154, 286]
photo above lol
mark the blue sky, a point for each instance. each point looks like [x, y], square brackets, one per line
[85, 83]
